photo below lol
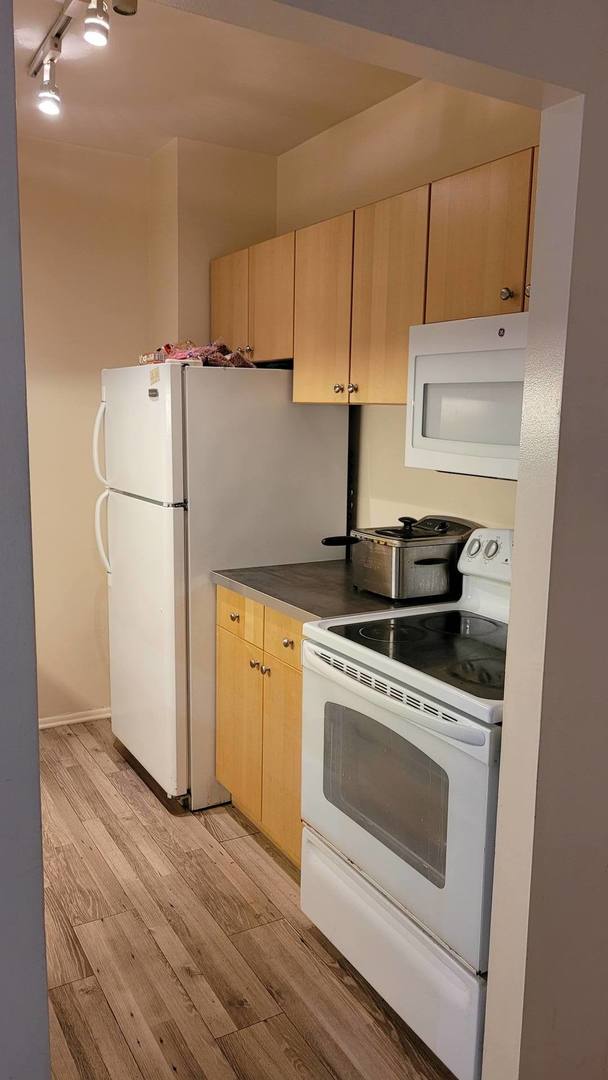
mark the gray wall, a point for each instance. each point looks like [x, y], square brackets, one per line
[23, 1011]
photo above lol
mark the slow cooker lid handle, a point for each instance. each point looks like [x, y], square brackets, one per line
[408, 524]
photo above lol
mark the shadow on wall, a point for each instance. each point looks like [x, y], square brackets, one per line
[388, 489]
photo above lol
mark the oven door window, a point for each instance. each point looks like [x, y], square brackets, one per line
[389, 787]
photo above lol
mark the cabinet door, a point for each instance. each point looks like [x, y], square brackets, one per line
[239, 692]
[271, 270]
[389, 279]
[324, 264]
[230, 298]
[281, 786]
[478, 239]
[528, 287]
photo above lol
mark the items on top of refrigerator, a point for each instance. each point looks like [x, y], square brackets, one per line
[215, 354]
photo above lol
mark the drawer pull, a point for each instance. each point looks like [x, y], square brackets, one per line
[288, 643]
[254, 664]
[234, 616]
[264, 670]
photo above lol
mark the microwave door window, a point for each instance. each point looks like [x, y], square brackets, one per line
[389, 787]
[484, 413]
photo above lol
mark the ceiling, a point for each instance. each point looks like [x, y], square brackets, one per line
[168, 73]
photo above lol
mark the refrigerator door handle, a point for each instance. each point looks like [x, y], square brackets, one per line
[98, 537]
[96, 433]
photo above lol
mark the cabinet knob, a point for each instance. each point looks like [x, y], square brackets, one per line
[353, 387]
[338, 388]
[264, 670]
[234, 616]
[506, 293]
[254, 664]
[528, 290]
[288, 643]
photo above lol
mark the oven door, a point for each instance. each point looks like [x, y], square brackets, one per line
[406, 795]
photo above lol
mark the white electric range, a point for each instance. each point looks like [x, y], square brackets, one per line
[400, 754]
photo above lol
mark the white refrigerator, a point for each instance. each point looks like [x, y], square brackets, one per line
[205, 469]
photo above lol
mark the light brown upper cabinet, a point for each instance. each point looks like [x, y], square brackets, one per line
[478, 240]
[230, 298]
[323, 284]
[252, 299]
[271, 270]
[528, 287]
[389, 277]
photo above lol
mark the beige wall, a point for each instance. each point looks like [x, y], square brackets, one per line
[205, 200]
[115, 261]
[83, 227]
[424, 132]
[387, 489]
[226, 200]
[163, 248]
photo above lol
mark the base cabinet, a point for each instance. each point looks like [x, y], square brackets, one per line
[259, 717]
[281, 762]
[239, 696]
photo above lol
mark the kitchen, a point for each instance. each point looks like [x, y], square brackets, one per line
[348, 366]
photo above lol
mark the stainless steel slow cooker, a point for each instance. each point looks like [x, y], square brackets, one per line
[414, 560]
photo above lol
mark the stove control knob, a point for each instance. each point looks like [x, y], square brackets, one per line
[491, 549]
[473, 548]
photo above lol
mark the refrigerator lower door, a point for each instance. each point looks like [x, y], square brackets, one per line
[147, 617]
[143, 431]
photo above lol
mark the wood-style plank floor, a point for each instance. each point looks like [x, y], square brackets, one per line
[177, 948]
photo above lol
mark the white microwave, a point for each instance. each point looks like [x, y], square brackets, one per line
[465, 393]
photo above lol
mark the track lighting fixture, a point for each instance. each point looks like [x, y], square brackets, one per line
[96, 32]
[97, 23]
[49, 100]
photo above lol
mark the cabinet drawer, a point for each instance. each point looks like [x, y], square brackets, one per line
[241, 616]
[283, 637]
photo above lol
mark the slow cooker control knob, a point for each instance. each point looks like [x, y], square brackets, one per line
[491, 549]
[474, 547]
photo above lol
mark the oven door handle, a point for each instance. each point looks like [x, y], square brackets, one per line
[448, 728]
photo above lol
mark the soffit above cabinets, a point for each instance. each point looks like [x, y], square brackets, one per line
[170, 73]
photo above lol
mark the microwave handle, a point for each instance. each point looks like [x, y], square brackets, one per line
[450, 730]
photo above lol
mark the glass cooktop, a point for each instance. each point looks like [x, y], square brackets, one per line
[458, 647]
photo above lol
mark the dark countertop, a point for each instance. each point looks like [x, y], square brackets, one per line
[314, 590]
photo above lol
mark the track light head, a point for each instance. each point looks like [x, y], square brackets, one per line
[97, 23]
[49, 99]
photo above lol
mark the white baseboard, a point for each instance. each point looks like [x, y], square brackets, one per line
[74, 718]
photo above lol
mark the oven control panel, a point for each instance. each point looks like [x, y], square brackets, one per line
[487, 554]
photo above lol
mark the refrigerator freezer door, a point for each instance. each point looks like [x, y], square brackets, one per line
[147, 615]
[143, 431]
